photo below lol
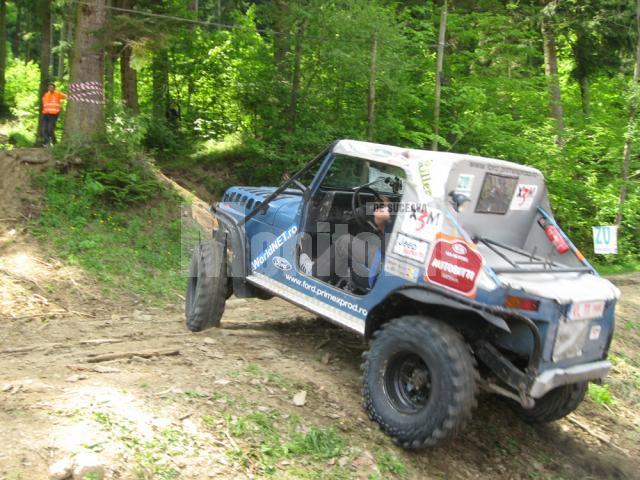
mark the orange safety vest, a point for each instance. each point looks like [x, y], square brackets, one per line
[51, 103]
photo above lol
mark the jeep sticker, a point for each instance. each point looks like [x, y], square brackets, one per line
[410, 248]
[274, 246]
[464, 185]
[423, 223]
[401, 269]
[453, 264]
[281, 263]
[523, 197]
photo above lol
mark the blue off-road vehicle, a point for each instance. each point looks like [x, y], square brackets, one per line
[450, 266]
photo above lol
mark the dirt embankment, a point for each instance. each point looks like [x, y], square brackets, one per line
[85, 372]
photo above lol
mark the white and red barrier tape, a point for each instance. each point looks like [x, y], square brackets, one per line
[87, 92]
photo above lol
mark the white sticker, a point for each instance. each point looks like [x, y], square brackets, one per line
[594, 333]
[401, 269]
[411, 248]
[464, 185]
[605, 239]
[423, 223]
[523, 197]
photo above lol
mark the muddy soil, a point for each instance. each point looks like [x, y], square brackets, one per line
[173, 405]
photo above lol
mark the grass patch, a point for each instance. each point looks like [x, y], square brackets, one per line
[279, 446]
[629, 266]
[388, 463]
[600, 394]
[152, 455]
[134, 247]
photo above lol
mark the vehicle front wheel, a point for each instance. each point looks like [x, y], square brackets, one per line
[419, 381]
[554, 405]
[207, 285]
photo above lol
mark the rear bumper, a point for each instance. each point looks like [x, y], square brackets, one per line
[556, 377]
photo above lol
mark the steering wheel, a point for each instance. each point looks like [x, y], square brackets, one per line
[356, 206]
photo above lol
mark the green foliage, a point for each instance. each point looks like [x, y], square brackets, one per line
[90, 220]
[240, 82]
[267, 439]
[600, 394]
[389, 463]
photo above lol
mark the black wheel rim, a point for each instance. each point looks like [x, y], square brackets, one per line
[407, 382]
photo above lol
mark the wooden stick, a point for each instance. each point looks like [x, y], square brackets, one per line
[600, 437]
[100, 341]
[142, 353]
[40, 315]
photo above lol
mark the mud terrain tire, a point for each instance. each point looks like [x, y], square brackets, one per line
[554, 405]
[419, 381]
[207, 285]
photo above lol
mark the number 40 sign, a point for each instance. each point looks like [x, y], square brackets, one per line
[605, 239]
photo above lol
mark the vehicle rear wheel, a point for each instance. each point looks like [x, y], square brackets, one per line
[419, 381]
[554, 405]
[207, 285]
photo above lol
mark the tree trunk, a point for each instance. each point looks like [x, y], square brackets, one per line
[15, 41]
[371, 100]
[631, 128]
[581, 72]
[3, 54]
[160, 84]
[129, 79]
[45, 59]
[295, 83]
[85, 113]
[551, 72]
[128, 76]
[281, 46]
[61, 50]
[439, 66]
[110, 59]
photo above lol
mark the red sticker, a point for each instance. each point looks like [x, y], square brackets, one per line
[454, 265]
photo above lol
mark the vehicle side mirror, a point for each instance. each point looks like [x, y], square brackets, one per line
[458, 200]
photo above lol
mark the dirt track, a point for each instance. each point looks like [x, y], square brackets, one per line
[52, 401]
[180, 416]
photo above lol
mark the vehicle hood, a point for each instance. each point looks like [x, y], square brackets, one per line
[281, 211]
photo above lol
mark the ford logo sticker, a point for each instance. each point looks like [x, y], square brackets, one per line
[281, 263]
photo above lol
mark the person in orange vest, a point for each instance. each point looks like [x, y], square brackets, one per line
[50, 110]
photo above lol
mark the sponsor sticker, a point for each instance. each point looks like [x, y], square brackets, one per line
[422, 222]
[453, 264]
[281, 263]
[410, 248]
[425, 175]
[464, 185]
[395, 267]
[523, 197]
[273, 247]
[594, 333]
[323, 294]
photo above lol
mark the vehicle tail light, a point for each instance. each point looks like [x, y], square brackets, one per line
[521, 303]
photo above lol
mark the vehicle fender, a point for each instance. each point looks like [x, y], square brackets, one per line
[229, 227]
[426, 297]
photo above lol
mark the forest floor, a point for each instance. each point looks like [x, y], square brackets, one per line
[227, 403]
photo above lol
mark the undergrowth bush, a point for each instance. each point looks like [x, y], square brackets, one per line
[112, 217]
[110, 173]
